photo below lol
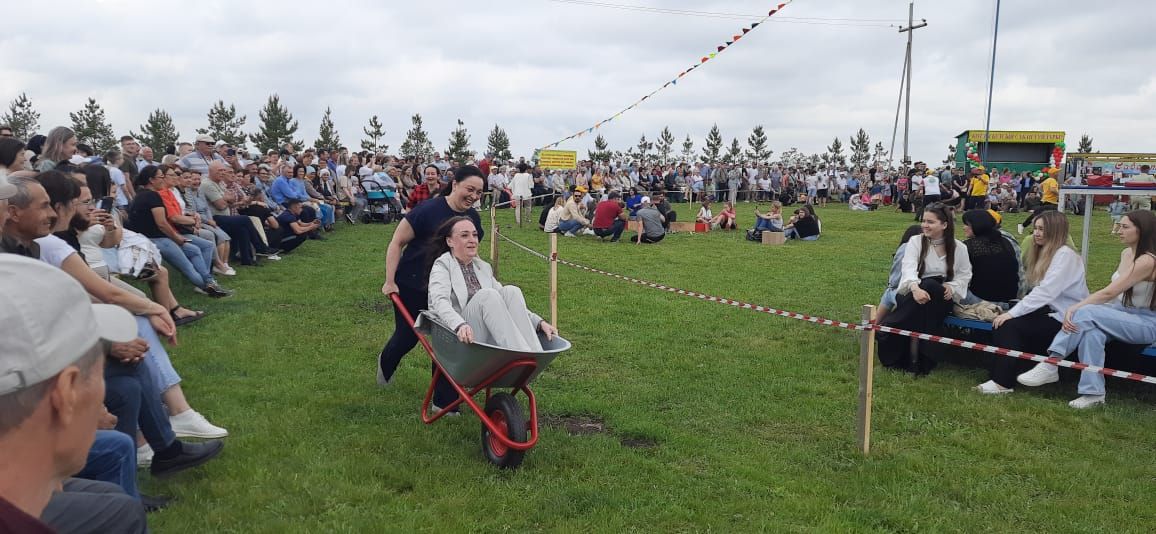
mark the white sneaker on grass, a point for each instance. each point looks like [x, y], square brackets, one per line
[190, 424]
[568, 234]
[144, 456]
[1087, 401]
[588, 231]
[1042, 373]
[991, 388]
[227, 271]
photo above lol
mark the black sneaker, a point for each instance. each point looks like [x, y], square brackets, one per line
[349, 217]
[216, 291]
[192, 455]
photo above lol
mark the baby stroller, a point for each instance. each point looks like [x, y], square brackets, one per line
[380, 202]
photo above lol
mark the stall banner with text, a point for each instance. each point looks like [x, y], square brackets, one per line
[558, 159]
[1004, 136]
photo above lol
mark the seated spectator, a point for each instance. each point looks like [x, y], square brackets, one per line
[1055, 274]
[633, 201]
[11, 156]
[1124, 311]
[427, 189]
[705, 215]
[191, 255]
[574, 220]
[995, 266]
[936, 272]
[294, 232]
[804, 225]
[554, 216]
[51, 367]
[887, 301]
[772, 220]
[726, 219]
[652, 222]
[321, 200]
[610, 217]
[663, 206]
[348, 195]
[222, 203]
[465, 296]
[195, 218]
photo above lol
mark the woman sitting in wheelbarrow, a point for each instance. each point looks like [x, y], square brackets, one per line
[465, 297]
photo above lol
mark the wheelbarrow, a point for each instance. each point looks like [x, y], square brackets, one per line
[473, 368]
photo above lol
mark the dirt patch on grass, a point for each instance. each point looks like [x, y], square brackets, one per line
[638, 443]
[576, 425]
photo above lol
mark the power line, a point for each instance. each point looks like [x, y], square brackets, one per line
[851, 22]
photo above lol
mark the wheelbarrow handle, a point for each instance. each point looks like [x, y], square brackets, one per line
[401, 308]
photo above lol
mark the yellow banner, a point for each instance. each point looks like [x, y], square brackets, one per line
[558, 159]
[1005, 136]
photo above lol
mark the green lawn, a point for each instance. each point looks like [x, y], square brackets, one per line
[700, 417]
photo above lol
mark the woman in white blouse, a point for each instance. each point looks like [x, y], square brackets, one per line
[1056, 274]
[465, 296]
[936, 272]
[1125, 311]
[522, 185]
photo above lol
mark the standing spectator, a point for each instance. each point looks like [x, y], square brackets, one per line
[1116, 210]
[427, 188]
[522, 190]
[1139, 202]
[60, 145]
[1049, 200]
[977, 190]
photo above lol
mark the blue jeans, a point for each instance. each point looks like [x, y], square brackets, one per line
[571, 225]
[765, 225]
[1097, 325]
[791, 233]
[327, 214]
[156, 361]
[131, 395]
[615, 230]
[112, 459]
[193, 259]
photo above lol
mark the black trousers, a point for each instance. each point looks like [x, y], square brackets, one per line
[895, 350]
[615, 230]
[1036, 213]
[404, 340]
[1030, 333]
[648, 239]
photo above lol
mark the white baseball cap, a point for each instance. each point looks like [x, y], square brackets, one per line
[49, 322]
[645, 200]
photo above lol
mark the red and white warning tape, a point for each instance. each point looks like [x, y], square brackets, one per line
[971, 345]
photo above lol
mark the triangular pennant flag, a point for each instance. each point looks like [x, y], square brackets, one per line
[704, 59]
[590, 129]
[712, 56]
[681, 74]
[755, 25]
[721, 48]
[737, 37]
[781, 6]
[745, 30]
[730, 43]
[675, 82]
[772, 12]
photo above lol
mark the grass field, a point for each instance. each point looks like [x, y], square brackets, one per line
[669, 414]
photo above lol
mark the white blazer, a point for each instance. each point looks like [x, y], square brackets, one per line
[448, 294]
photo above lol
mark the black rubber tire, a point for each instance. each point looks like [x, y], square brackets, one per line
[503, 407]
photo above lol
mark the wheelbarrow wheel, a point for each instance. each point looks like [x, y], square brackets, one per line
[503, 409]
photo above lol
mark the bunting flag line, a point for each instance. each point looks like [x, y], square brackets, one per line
[719, 49]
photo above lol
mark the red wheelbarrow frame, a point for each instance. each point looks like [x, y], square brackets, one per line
[497, 430]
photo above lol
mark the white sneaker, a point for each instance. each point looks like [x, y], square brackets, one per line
[144, 456]
[190, 424]
[991, 388]
[568, 234]
[588, 231]
[1042, 373]
[273, 257]
[1087, 401]
[227, 271]
[1020, 229]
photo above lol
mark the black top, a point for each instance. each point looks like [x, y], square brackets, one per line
[140, 213]
[286, 220]
[73, 240]
[994, 269]
[807, 227]
[425, 220]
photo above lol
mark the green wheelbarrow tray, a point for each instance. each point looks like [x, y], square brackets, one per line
[470, 364]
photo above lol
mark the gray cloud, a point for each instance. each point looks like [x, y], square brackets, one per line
[544, 69]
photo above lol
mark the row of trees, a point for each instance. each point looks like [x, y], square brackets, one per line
[277, 127]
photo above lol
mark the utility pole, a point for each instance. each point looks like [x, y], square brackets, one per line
[910, 30]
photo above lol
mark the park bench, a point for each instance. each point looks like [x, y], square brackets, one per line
[972, 324]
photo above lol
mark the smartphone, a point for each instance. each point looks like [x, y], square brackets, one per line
[106, 204]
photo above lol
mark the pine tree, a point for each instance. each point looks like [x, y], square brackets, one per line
[277, 126]
[600, 153]
[498, 144]
[860, 148]
[734, 154]
[790, 157]
[458, 150]
[225, 125]
[158, 132]
[417, 144]
[880, 154]
[710, 153]
[327, 136]
[92, 128]
[757, 152]
[1085, 144]
[23, 120]
[834, 155]
[375, 132]
[950, 155]
[665, 145]
[688, 150]
[644, 150]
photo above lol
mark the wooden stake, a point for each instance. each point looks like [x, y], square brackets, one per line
[866, 382]
[554, 280]
[494, 239]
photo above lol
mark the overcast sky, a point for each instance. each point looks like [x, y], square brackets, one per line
[544, 69]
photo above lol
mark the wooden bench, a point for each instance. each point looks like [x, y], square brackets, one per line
[682, 226]
[973, 324]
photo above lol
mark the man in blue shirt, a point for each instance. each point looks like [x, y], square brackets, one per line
[285, 189]
[852, 187]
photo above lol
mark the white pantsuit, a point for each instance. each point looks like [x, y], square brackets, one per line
[497, 314]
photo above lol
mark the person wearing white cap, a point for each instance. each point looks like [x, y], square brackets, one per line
[52, 358]
[202, 155]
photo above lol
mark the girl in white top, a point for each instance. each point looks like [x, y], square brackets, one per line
[704, 214]
[1124, 311]
[935, 273]
[1056, 273]
[555, 215]
[521, 186]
